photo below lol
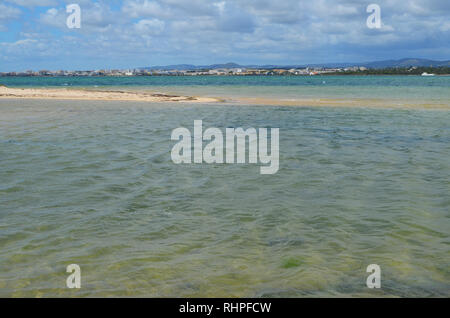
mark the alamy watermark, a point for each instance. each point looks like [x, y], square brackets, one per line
[374, 20]
[221, 150]
[374, 279]
[74, 279]
[74, 19]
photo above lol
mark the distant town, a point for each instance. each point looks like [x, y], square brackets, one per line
[199, 72]
[235, 70]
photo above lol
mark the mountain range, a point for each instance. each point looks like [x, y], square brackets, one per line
[406, 62]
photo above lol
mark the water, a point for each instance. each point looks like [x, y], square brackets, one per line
[385, 87]
[92, 183]
[280, 81]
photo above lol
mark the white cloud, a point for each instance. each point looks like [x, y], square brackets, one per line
[8, 13]
[149, 27]
[54, 17]
[256, 31]
[95, 17]
[144, 8]
[34, 3]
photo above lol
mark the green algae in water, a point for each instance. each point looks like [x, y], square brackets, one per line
[291, 262]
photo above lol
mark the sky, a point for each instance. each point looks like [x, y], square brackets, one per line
[128, 34]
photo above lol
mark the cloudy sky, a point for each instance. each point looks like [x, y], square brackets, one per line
[135, 33]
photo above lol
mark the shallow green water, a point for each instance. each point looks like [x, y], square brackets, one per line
[92, 183]
[278, 87]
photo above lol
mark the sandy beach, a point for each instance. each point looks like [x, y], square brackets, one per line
[154, 97]
[81, 94]
[348, 102]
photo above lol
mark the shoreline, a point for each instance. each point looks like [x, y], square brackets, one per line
[225, 75]
[136, 96]
[346, 103]
[87, 94]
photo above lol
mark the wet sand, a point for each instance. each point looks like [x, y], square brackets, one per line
[80, 94]
[348, 102]
[143, 96]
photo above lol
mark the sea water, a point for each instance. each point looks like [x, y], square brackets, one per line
[92, 183]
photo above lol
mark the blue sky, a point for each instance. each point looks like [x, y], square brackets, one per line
[135, 33]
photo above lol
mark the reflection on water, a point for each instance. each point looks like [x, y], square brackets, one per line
[93, 184]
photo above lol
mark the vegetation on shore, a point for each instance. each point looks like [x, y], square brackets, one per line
[397, 71]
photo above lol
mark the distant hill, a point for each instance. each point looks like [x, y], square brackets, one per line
[192, 67]
[406, 62]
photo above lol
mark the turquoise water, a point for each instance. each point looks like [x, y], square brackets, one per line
[92, 183]
[393, 81]
[387, 87]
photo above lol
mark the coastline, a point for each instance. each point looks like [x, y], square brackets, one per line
[381, 103]
[84, 94]
[151, 97]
